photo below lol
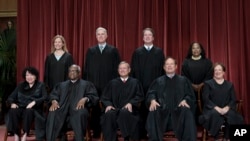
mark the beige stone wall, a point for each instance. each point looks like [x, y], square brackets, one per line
[8, 8]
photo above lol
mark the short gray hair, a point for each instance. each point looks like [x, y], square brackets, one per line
[102, 28]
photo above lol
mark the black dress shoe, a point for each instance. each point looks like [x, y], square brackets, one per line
[96, 135]
[126, 139]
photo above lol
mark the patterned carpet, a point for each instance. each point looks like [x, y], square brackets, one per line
[32, 137]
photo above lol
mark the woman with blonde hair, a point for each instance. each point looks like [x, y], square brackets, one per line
[57, 62]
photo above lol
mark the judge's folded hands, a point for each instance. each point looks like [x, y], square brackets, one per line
[223, 110]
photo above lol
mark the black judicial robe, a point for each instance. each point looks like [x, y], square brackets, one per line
[68, 94]
[220, 95]
[99, 67]
[169, 92]
[197, 71]
[147, 65]
[22, 96]
[57, 70]
[118, 94]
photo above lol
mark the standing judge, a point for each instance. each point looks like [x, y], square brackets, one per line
[100, 67]
[57, 62]
[146, 64]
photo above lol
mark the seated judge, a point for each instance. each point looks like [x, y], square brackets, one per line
[219, 103]
[121, 99]
[26, 103]
[69, 101]
[170, 100]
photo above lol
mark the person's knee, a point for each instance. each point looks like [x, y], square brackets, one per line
[29, 110]
[124, 112]
[83, 112]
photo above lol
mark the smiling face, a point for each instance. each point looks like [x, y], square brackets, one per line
[101, 35]
[124, 69]
[74, 72]
[30, 78]
[219, 72]
[196, 50]
[58, 43]
[170, 66]
[148, 37]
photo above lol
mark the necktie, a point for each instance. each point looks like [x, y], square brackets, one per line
[101, 48]
[123, 80]
[148, 48]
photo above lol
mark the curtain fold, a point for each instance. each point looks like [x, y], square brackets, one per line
[221, 26]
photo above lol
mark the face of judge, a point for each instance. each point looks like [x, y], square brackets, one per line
[58, 43]
[30, 78]
[124, 70]
[218, 72]
[148, 37]
[74, 72]
[170, 66]
[196, 50]
[101, 35]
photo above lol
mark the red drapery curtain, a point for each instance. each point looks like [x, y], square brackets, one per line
[222, 26]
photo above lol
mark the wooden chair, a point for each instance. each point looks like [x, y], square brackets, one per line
[70, 135]
[205, 133]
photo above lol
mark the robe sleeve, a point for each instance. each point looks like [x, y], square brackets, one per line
[232, 102]
[86, 65]
[92, 95]
[69, 61]
[54, 95]
[152, 93]
[205, 97]
[116, 60]
[106, 97]
[190, 96]
[41, 89]
[209, 74]
[139, 96]
[184, 69]
[46, 71]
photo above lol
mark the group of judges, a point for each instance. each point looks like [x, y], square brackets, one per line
[143, 100]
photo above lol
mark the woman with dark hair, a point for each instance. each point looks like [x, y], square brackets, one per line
[57, 62]
[26, 103]
[219, 103]
[197, 69]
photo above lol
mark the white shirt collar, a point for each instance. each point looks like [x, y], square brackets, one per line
[124, 79]
[148, 46]
[104, 44]
[171, 75]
